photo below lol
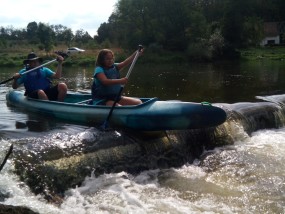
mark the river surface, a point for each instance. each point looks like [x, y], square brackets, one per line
[249, 179]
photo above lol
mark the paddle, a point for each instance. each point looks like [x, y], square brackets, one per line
[6, 157]
[61, 53]
[105, 124]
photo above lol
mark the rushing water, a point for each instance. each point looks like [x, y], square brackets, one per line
[249, 176]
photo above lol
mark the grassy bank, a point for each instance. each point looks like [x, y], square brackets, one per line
[269, 53]
[13, 57]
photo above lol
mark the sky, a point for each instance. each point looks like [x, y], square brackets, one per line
[74, 14]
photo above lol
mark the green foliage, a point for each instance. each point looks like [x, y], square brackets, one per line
[155, 48]
[263, 53]
[3, 43]
[106, 43]
[148, 22]
[217, 26]
[92, 44]
[87, 61]
[9, 60]
[199, 51]
[46, 36]
[216, 44]
[201, 29]
[32, 29]
[252, 31]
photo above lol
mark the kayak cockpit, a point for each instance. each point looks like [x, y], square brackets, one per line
[85, 99]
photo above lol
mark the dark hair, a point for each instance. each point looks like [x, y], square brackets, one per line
[101, 57]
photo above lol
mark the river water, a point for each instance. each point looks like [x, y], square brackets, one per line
[250, 176]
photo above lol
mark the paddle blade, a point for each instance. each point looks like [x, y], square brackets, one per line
[105, 125]
[61, 53]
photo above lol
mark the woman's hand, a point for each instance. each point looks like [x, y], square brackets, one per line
[124, 81]
[141, 51]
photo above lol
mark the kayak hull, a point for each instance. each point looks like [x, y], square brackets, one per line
[152, 115]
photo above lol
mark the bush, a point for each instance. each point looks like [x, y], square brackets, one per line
[198, 51]
[217, 44]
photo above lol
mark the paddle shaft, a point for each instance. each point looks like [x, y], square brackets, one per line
[42, 65]
[133, 63]
[6, 157]
[113, 106]
[5, 81]
[122, 86]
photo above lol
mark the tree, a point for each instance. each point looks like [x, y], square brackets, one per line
[82, 36]
[19, 34]
[32, 32]
[104, 32]
[46, 36]
[67, 36]
[252, 31]
[146, 21]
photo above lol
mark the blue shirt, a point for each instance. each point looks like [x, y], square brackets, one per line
[35, 80]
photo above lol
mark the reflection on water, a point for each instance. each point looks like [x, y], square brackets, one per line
[221, 82]
[225, 82]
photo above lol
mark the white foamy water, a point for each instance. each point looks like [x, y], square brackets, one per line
[247, 177]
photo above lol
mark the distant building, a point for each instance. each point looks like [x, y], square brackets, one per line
[273, 33]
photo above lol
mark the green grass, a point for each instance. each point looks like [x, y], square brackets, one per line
[14, 56]
[272, 53]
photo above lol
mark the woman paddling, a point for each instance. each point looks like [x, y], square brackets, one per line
[107, 81]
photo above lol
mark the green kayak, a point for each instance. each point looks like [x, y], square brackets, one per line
[151, 115]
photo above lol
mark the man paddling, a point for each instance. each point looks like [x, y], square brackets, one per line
[38, 82]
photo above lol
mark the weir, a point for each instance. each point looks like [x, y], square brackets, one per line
[52, 165]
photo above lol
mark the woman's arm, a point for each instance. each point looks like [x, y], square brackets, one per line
[128, 61]
[105, 81]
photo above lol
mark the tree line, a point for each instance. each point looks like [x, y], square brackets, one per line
[199, 28]
[44, 35]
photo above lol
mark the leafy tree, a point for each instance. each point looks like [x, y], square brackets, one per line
[201, 28]
[252, 31]
[46, 36]
[164, 22]
[3, 43]
[4, 34]
[67, 36]
[19, 34]
[104, 31]
[32, 32]
[82, 36]
[60, 32]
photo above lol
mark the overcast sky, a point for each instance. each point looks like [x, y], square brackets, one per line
[74, 14]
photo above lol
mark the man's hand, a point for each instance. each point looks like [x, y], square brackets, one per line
[59, 58]
[16, 76]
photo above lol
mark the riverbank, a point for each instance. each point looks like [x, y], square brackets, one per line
[13, 57]
[271, 53]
